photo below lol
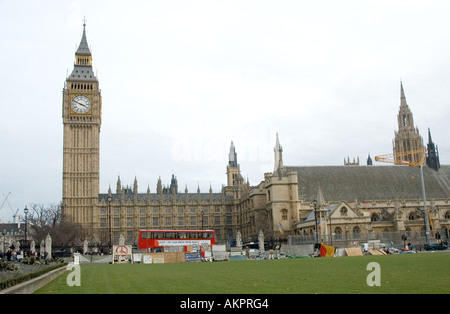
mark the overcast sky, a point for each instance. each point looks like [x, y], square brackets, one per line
[182, 79]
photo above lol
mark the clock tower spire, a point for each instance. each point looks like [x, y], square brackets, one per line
[81, 113]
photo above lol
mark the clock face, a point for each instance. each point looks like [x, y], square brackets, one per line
[81, 104]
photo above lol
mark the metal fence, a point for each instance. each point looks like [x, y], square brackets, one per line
[398, 239]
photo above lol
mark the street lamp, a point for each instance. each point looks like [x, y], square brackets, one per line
[331, 230]
[315, 218]
[26, 222]
[109, 222]
[4, 239]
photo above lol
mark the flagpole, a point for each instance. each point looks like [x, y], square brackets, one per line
[315, 218]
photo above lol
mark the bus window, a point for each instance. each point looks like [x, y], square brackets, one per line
[144, 235]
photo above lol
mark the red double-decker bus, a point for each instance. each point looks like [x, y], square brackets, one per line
[154, 240]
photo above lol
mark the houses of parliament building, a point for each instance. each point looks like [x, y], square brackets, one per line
[290, 200]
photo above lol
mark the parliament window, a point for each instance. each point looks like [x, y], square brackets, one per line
[356, 233]
[284, 214]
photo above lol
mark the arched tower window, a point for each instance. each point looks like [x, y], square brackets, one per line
[284, 214]
[375, 217]
[356, 232]
[338, 233]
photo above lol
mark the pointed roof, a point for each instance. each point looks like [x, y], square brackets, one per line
[232, 156]
[405, 116]
[278, 150]
[432, 157]
[430, 141]
[402, 96]
[320, 198]
[83, 48]
[82, 70]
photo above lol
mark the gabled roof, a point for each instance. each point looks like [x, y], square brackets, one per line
[330, 211]
[341, 183]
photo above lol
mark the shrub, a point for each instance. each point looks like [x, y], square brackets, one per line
[29, 260]
[8, 266]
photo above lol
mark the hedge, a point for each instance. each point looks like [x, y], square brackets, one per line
[15, 281]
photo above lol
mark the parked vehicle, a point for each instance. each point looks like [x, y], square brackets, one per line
[435, 246]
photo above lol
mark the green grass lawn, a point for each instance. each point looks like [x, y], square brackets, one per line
[404, 273]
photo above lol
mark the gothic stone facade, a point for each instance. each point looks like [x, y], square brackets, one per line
[346, 199]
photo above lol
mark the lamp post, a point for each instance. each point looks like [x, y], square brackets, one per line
[109, 222]
[315, 218]
[26, 225]
[425, 210]
[4, 239]
[331, 230]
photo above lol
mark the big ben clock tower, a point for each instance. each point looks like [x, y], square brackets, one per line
[81, 112]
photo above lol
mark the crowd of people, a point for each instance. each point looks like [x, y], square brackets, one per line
[17, 255]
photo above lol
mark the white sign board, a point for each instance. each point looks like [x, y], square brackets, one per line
[120, 251]
[181, 242]
[147, 259]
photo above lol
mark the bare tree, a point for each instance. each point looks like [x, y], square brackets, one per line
[45, 220]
